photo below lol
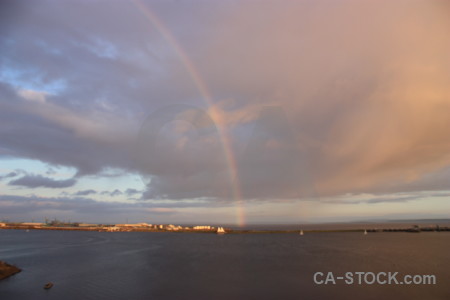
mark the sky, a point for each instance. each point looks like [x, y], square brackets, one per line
[224, 112]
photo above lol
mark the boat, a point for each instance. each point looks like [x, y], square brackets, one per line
[301, 232]
[48, 286]
[220, 230]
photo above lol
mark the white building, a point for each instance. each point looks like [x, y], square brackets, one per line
[87, 225]
[173, 227]
[203, 227]
[138, 225]
[31, 224]
[111, 229]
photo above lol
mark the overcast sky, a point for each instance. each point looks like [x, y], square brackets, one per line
[230, 112]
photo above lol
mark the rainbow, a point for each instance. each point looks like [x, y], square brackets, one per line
[206, 95]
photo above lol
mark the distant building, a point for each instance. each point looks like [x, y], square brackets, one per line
[173, 227]
[139, 225]
[145, 224]
[87, 225]
[125, 225]
[31, 224]
[111, 228]
[203, 227]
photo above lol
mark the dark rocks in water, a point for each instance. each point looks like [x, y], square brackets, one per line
[48, 286]
[7, 270]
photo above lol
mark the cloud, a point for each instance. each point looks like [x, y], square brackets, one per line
[351, 199]
[85, 192]
[34, 181]
[88, 209]
[116, 192]
[131, 192]
[358, 96]
[9, 175]
[31, 95]
[392, 200]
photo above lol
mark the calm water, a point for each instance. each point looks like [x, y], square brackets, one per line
[94, 265]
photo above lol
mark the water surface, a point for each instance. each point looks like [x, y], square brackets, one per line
[134, 265]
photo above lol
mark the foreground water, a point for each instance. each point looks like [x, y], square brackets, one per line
[133, 265]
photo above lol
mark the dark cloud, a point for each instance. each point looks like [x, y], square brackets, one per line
[87, 209]
[387, 198]
[116, 192]
[393, 199]
[9, 175]
[50, 171]
[85, 193]
[34, 181]
[131, 192]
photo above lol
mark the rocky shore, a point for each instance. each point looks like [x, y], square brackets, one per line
[7, 270]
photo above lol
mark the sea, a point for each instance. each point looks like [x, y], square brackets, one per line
[168, 265]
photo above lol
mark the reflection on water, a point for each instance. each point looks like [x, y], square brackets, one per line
[133, 265]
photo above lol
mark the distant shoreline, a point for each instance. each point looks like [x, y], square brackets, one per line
[415, 229]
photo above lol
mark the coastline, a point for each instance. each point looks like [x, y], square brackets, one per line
[414, 229]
